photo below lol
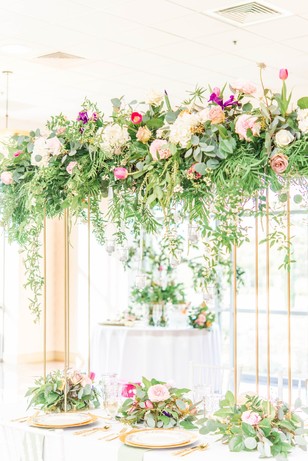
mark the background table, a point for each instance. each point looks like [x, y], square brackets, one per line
[161, 353]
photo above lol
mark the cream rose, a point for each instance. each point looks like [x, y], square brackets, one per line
[143, 134]
[283, 138]
[158, 393]
[251, 417]
[154, 98]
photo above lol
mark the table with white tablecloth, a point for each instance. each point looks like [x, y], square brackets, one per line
[161, 353]
[63, 445]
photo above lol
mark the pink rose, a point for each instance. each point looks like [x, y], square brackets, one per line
[279, 163]
[201, 319]
[92, 375]
[216, 115]
[250, 417]
[17, 153]
[76, 378]
[246, 122]
[192, 173]
[54, 145]
[85, 380]
[70, 167]
[120, 173]
[244, 87]
[159, 149]
[129, 390]
[158, 393]
[6, 178]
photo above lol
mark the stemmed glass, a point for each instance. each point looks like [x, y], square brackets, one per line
[157, 313]
[110, 392]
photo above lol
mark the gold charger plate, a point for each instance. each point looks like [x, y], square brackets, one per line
[153, 438]
[53, 421]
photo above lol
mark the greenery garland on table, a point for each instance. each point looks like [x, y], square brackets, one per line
[269, 427]
[201, 161]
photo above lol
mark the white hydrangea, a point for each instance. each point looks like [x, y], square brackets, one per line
[302, 117]
[40, 155]
[181, 130]
[113, 137]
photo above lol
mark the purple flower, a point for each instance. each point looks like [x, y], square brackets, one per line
[230, 102]
[83, 117]
[214, 98]
[167, 414]
[94, 117]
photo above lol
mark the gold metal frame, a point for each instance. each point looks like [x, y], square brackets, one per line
[268, 315]
[235, 322]
[45, 296]
[257, 289]
[289, 303]
[89, 285]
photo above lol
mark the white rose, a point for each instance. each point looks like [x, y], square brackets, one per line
[154, 98]
[283, 138]
[302, 117]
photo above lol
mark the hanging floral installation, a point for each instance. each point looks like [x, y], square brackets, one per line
[202, 161]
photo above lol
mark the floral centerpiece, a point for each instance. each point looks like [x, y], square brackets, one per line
[48, 394]
[257, 424]
[157, 404]
[201, 317]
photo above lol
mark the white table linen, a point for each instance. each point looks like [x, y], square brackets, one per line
[161, 353]
[62, 445]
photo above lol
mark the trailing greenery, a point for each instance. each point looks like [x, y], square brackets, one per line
[202, 161]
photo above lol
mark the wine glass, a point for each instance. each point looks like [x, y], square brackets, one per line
[111, 400]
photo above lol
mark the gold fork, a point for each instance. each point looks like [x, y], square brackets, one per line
[92, 431]
[115, 435]
[187, 451]
[24, 418]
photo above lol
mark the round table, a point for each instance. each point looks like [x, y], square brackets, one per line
[153, 352]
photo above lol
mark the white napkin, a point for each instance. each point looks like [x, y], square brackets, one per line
[33, 447]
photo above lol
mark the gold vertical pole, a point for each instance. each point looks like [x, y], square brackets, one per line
[289, 303]
[268, 299]
[235, 321]
[89, 285]
[45, 296]
[66, 307]
[68, 285]
[257, 289]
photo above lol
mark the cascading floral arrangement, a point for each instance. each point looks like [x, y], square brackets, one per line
[201, 161]
[201, 317]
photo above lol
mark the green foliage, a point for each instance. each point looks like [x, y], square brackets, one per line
[201, 317]
[49, 394]
[257, 424]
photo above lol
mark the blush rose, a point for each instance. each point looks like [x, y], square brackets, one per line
[158, 393]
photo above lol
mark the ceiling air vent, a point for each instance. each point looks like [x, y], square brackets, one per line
[59, 55]
[245, 14]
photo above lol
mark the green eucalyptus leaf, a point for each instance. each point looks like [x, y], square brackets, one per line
[303, 102]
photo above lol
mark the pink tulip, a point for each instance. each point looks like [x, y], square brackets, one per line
[216, 90]
[120, 172]
[92, 375]
[17, 153]
[283, 74]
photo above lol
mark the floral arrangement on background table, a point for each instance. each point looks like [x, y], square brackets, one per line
[201, 161]
[157, 404]
[201, 317]
[48, 394]
[257, 424]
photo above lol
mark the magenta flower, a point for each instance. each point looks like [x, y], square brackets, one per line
[120, 172]
[219, 101]
[17, 153]
[83, 117]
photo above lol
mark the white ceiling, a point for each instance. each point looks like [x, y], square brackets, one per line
[132, 46]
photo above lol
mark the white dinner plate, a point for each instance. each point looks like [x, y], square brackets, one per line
[159, 438]
[61, 419]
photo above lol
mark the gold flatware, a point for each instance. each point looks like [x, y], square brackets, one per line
[92, 431]
[115, 435]
[23, 419]
[187, 451]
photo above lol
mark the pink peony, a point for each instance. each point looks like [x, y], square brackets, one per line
[70, 167]
[201, 319]
[148, 404]
[17, 153]
[159, 149]
[129, 390]
[283, 74]
[6, 178]
[120, 172]
[250, 417]
[246, 122]
[92, 375]
[244, 87]
[136, 118]
[279, 163]
[158, 393]
[216, 115]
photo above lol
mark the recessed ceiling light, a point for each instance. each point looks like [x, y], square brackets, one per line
[15, 49]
